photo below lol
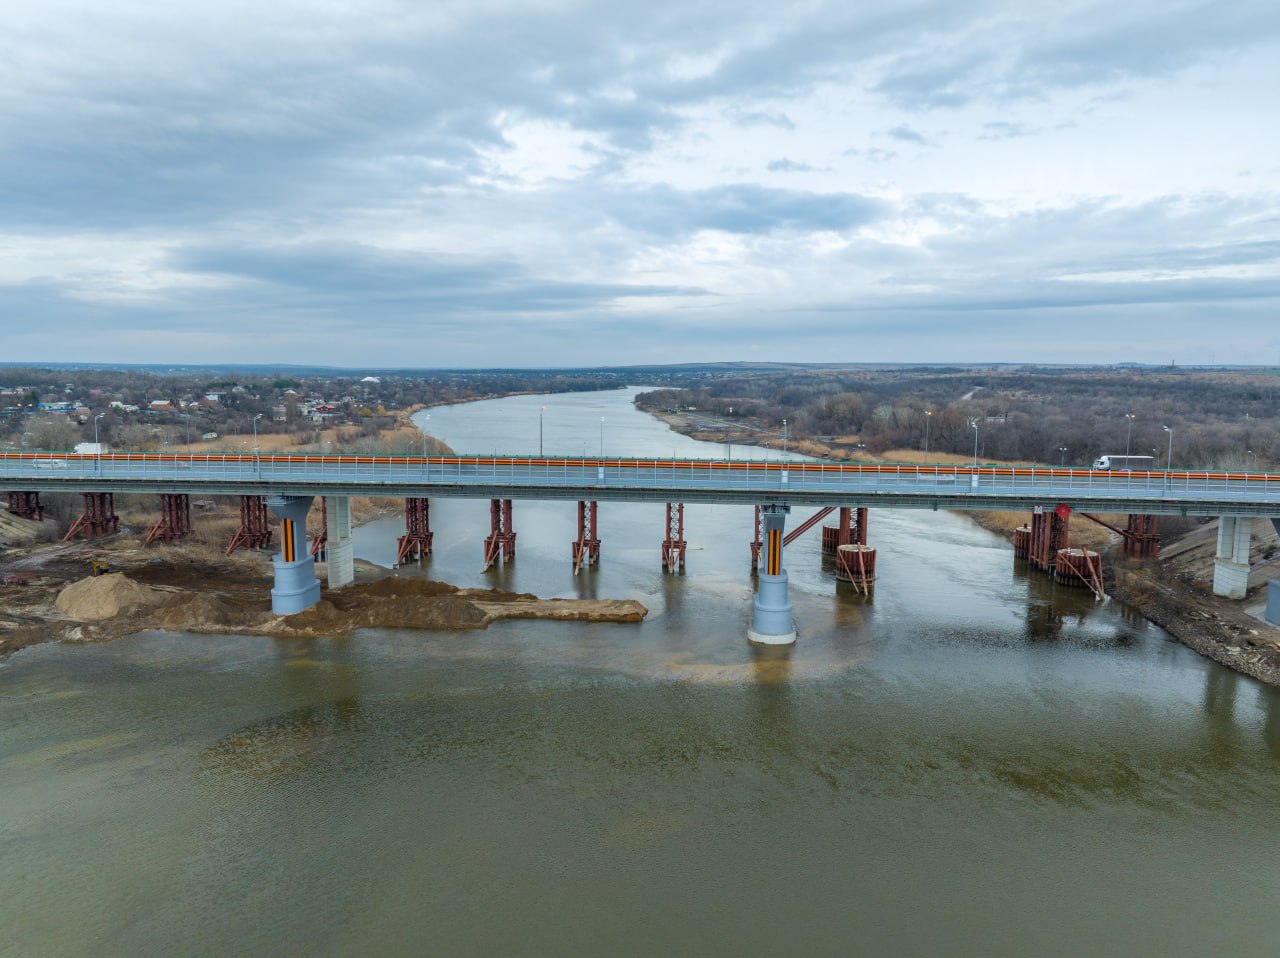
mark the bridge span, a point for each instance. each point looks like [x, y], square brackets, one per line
[291, 482]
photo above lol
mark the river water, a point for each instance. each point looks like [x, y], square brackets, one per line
[970, 763]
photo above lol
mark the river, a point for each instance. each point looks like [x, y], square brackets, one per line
[970, 763]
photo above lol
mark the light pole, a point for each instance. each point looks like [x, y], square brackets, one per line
[602, 437]
[974, 424]
[257, 453]
[1250, 452]
[784, 437]
[97, 447]
[541, 410]
[928, 418]
[187, 417]
[424, 438]
[1169, 462]
[1062, 459]
[1128, 433]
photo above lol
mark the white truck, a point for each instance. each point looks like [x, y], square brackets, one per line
[1125, 463]
[90, 448]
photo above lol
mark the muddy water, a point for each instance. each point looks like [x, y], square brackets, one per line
[970, 763]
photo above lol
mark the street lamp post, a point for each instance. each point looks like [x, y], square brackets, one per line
[602, 437]
[1250, 452]
[974, 424]
[541, 410]
[1169, 462]
[1128, 432]
[97, 447]
[928, 418]
[1062, 459]
[424, 438]
[784, 437]
[257, 453]
[187, 417]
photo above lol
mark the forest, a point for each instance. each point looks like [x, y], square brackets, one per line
[1216, 418]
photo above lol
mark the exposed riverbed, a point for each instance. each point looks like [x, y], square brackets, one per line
[973, 762]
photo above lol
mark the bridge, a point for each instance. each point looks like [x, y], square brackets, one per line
[292, 481]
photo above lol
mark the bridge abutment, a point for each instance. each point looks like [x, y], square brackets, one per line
[1231, 564]
[339, 551]
[771, 620]
[296, 586]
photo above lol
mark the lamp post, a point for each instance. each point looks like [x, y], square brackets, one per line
[424, 438]
[974, 424]
[541, 410]
[602, 437]
[1128, 432]
[187, 417]
[97, 447]
[928, 418]
[1062, 459]
[784, 437]
[1169, 462]
[1250, 452]
[257, 453]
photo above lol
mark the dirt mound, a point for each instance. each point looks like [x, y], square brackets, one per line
[210, 613]
[105, 597]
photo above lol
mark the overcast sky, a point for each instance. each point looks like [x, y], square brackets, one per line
[557, 183]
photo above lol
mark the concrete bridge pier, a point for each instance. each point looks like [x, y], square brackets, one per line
[340, 555]
[296, 587]
[1231, 565]
[771, 621]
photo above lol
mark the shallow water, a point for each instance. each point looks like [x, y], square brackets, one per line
[972, 762]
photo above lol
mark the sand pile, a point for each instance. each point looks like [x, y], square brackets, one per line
[105, 597]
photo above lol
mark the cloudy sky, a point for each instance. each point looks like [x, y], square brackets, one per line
[572, 183]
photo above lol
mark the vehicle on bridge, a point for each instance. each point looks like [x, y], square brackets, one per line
[1125, 463]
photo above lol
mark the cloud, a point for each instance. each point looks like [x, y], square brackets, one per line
[905, 134]
[785, 165]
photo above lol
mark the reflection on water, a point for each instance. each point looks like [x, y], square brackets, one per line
[970, 761]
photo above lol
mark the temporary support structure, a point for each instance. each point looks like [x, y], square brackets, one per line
[319, 545]
[255, 525]
[586, 548]
[98, 519]
[1141, 535]
[500, 543]
[856, 563]
[416, 541]
[673, 546]
[175, 518]
[1050, 532]
[26, 505]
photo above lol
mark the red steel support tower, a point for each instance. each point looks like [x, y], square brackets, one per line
[26, 505]
[175, 518]
[416, 541]
[255, 525]
[98, 519]
[586, 549]
[673, 546]
[500, 543]
[1141, 537]
[1050, 532]
[320, 544]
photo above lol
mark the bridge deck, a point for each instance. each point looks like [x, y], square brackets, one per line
[686, 480]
